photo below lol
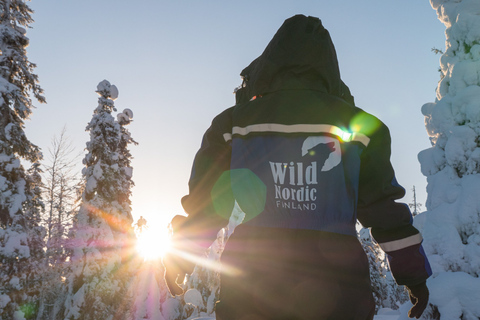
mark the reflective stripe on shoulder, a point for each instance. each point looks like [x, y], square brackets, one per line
[360, 137]
[298, 128]
[401, 243]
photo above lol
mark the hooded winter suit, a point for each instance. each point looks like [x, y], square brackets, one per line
[303, 163]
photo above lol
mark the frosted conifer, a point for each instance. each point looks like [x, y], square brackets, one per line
[451, 224]
[20, 237]
[97, 284]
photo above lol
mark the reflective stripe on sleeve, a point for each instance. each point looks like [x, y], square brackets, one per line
[401, 243]
[227, 137]
[298, 128]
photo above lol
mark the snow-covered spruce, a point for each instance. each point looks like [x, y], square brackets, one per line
[102, 233]
[451, 224]
[21, 238]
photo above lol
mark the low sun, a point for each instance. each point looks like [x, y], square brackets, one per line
[153, 243]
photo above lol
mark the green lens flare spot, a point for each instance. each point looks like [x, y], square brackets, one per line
[364, 123]
[241, 185]
[222, 196]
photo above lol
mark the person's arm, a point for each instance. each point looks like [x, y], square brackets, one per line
[212, 159]
[390, 222]
[193, 234]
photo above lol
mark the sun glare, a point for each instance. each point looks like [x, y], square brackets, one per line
[153, 243]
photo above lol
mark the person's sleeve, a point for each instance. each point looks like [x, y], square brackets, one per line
[212, 159]
[390, 222]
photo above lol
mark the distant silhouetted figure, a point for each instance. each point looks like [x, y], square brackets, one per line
[141, 223]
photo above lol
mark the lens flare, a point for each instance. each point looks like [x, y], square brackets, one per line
[152, 244]
[242, 186]
[205, 262]
[365, 123]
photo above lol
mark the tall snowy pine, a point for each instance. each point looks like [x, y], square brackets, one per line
[102, 233]
[451, 224]
[20, 236]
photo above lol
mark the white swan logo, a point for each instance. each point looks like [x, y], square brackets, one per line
[335, 156]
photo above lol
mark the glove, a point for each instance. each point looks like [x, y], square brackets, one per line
[176, 266]
[419, 298]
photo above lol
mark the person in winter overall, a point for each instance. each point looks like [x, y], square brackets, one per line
[303, 163]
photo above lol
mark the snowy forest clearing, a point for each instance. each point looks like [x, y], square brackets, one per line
[62, 259]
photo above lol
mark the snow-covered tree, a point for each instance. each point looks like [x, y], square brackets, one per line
[20, 237]
[451, 224]
[148, 294]
[102, 232]
[33, 208]
[124, 164]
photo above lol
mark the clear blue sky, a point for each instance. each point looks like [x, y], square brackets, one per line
[176, 64]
